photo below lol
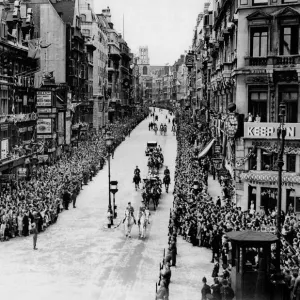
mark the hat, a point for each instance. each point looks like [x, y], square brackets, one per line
[129, 203]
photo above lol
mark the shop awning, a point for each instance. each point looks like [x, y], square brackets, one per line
[206, 148]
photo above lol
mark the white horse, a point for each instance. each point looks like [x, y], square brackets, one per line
[144, 220]
[128, 222]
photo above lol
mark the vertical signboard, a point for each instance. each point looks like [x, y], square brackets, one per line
[60, 125]
[4, 148]
[68, 128]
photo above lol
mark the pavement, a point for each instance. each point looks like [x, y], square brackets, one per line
[193, 263]
[78, 258]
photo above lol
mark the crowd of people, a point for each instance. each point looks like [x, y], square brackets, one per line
[204, 221]
[40, 199]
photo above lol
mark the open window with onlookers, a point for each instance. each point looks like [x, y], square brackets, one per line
[257, 102]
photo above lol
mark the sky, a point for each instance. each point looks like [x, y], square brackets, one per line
[165, 26]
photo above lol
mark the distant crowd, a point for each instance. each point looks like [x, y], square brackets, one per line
[45, 195]
[204, 222]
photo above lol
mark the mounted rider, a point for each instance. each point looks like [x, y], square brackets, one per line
[167, 171]
[137, 171]
[131, 211]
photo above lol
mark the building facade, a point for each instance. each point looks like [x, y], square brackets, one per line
[248, 52]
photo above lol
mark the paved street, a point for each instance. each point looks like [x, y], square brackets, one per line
[78, 258]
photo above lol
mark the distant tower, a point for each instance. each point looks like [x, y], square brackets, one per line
[144, 62]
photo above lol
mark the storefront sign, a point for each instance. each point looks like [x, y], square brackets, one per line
[44, 110]
[22, 172]
[217, 149]
[44, 136]
[269, 130]
[43, 98]
[4, 149]
[4, 127]
[44, 126]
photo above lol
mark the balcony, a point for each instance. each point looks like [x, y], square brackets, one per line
[278, 61]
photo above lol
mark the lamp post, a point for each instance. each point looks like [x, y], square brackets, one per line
[109, 141]
[114, 190]
[281, 133]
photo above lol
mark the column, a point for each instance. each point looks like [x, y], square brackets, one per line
[258, 159]
[285, 162]
[297, 163]
[258, 197]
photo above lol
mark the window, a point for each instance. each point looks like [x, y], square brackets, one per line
[86, 32]
[145, 70]
[258, 104]
[260, 2]
[268, 161]
[4, 106]
[289, 40]
[259, 42]
[291, 163]
[289, 95]
[252, 159]
[83, 17]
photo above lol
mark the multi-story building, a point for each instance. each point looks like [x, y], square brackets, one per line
[114, 57]
[125, 76]
[17, 92]
[93, 28]
[254, 76]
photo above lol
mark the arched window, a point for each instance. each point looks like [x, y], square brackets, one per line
[145, 70]
[83, 17]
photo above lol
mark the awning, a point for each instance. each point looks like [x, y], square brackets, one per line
[206, 149]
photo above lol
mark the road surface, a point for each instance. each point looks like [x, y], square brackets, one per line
[78, 258]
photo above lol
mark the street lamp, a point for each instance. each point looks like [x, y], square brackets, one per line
[109, 140]
[281, 133]
[114, 190]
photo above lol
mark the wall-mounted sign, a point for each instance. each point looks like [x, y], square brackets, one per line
[68, 132]
[43, 98]
[44, 110]
[4, 127]
[22, 172]
[44, 126]
[4, 149]
[269, 130]
[23, 129]
[43, 158]
[44, 136]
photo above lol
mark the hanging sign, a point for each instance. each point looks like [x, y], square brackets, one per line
[4, 148]
[44, 126]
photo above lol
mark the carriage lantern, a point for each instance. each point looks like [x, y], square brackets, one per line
[114, 190]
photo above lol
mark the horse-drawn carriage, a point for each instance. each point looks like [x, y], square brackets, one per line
[152, 191]
[150, 147]
[155, 162]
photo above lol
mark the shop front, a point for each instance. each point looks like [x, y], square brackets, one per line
[258, 171]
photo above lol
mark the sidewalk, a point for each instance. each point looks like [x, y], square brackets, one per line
[193, 263]
[214, 188]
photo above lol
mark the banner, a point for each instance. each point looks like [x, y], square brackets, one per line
[68, 132]
[44, 126]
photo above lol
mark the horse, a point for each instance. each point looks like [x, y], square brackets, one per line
[137, 180]
[166, 182]
[128, 222]
[143, 222]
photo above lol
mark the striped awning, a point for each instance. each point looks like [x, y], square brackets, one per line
[206, 148]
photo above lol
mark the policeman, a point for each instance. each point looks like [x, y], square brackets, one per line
[137, 171]
[166, 171]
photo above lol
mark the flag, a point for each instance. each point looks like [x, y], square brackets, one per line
[34, 48]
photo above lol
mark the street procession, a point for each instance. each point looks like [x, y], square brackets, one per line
[149, 150]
